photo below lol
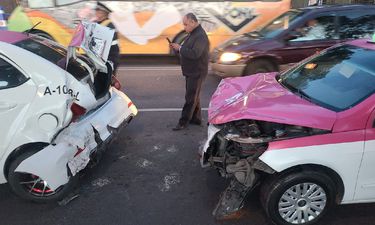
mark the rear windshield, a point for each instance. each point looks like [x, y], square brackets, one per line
[338, 80]
[55, 54]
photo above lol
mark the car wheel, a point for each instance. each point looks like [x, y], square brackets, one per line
[298, 198]
[259, 66]
[31, 187]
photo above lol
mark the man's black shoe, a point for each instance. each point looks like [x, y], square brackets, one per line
[179, 127]
[196, 122]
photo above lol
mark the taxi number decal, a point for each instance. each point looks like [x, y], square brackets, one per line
[62, 90]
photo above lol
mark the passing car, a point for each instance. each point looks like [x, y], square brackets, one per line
[305, 137]
[292, 37]
[57, 115]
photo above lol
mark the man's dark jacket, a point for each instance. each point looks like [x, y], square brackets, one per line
[194, 53]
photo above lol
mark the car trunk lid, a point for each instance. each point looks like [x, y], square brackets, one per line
[81, 67]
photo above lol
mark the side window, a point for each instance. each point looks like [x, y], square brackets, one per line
[356, 25]
[319, 28]
[10, 76]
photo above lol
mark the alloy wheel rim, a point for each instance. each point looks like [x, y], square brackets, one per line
[302, 203]
[34, 185]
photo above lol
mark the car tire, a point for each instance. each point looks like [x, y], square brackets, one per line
[26, 186]
[308, 193]
[259, 66]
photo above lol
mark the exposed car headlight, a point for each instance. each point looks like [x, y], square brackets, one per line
[230, 57]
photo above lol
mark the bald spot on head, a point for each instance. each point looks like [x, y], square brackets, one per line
[190, 22]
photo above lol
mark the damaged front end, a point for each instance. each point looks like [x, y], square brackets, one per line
[234, 149]
[246, 115]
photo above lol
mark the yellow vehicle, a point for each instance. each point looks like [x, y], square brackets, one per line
[143, 26]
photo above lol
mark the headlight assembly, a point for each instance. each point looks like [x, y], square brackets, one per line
[230, 57]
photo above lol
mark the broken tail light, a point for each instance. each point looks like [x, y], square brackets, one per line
[77, 111]
[79, 150]
[116, 83]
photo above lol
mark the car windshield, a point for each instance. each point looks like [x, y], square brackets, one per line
[280, 24]
[338, 79]
[56, 54]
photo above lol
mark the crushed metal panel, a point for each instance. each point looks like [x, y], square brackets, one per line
[50, 164]
[119, 111]
[80, 161]
[77, 134]
[84, 95]
[260, 97]
[231, 200]
[211, 131]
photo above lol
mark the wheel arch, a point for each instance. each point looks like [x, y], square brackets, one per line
[272, 59]
[20, 150]
[319, 168]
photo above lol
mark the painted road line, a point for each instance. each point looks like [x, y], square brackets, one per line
[170, 68]
[165, 110]
[148, 68]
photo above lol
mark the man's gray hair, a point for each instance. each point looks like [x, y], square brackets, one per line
[192, 17]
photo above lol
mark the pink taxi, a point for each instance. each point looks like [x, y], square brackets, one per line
[306, 137]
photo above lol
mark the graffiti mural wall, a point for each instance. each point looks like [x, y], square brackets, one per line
[144, 25]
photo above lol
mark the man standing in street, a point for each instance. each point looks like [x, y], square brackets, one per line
[102, 12]
[194, 53]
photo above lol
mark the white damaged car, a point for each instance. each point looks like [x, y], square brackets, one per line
[56, 116]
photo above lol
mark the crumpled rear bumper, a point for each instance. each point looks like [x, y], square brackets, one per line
[73, 146]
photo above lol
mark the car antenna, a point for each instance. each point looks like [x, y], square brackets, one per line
[29, 30]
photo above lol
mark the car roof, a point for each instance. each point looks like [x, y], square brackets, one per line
[324, 8]
[11, 36]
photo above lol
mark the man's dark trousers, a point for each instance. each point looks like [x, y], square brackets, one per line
[194, 54]
[192, 109]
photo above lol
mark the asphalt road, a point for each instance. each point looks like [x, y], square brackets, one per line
[151, 174]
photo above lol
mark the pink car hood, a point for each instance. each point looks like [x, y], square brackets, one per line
[261, 97]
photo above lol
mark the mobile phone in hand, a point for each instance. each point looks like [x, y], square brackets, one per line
[174, 50]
